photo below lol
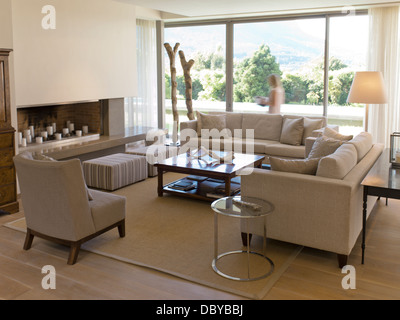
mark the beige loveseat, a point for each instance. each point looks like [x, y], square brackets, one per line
[321, 210]
[265, 134]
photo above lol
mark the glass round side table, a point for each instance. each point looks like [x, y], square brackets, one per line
[245, 208]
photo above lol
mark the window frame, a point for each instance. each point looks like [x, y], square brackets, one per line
[229, 27]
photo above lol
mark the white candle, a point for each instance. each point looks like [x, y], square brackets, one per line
[28, 139]
[71, 127]
[65, 131]
[39, 140]
[32, 128]
[44, 134]
[54, 125]
[85, 129]
[58, 136]
[78, 133]
[49, 130]
[19, 138]
[23, 142]
[27, 133]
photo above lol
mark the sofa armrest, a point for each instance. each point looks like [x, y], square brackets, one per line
[309, 210]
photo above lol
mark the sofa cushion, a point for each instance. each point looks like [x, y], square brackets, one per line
[363, 143]
[210, 122]
[309, 126]
[285, 150]
[330, 133]
[233, 120]
[338, 164]
[292, 131]
[304, 166]
[265, 126]
[324, 146]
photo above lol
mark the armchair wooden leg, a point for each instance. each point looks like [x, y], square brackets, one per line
[121, 229]
[73, 253]
[28, 239]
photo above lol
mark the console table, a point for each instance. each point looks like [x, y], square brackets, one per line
[382, 180]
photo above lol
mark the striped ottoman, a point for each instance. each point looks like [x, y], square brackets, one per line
[114, 171]
[154, 154]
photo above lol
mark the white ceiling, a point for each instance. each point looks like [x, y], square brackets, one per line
[209, 8]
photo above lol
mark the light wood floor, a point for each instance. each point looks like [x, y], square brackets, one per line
[313, 275]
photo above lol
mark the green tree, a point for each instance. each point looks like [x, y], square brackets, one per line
[251, 75]
[339, 87]
[214, 85]
[210, 60]
[296, 88]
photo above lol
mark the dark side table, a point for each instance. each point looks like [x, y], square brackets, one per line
[382, 180]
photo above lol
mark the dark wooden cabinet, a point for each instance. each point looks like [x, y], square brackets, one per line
[8, 185]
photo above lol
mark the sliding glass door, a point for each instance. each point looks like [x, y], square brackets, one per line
[315, 56]
[293, 49]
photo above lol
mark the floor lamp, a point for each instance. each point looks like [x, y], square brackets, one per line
[368, 87]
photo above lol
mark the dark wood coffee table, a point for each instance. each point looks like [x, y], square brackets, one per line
[205, 167]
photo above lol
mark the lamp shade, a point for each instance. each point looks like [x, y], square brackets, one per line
[368, 87]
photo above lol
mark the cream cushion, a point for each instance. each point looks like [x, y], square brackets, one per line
[330, 133]
[310, 125]
[363, 143]
[324, 146]
[292, 131]
[210, 122]
[304, 166]
[338, 164]
[265, 126]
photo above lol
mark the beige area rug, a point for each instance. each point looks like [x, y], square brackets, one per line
[175, 235]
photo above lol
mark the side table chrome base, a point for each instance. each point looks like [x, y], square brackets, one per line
[214, 265]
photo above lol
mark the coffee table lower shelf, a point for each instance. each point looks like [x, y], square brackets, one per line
[196, 192]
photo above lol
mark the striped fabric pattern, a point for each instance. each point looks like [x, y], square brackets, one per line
[154, 154]
[115, 171]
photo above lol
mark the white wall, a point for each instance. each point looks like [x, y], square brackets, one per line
[6, 40]
[90, 55]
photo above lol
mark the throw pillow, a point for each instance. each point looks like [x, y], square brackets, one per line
[210, 122]
[330, 133]
[324, 146]
[292, 131]
[363, 143]
[309, 126]
[304, 166]
[338, 164]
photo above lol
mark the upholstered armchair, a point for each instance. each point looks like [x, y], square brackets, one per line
[59, 207]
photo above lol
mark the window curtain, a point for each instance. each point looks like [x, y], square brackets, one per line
[384, 56]
[142, 110]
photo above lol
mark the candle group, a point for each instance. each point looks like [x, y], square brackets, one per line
[28, 136]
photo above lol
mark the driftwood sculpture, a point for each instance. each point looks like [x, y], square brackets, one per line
[174, 85]
[186, 66]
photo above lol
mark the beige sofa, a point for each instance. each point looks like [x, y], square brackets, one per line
[273, 135]
[322, 211]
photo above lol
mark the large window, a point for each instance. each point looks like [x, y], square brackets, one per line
[295, 48]
[348, 47]
[206, 46]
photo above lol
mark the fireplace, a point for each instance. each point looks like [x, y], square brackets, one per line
[89, 114]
